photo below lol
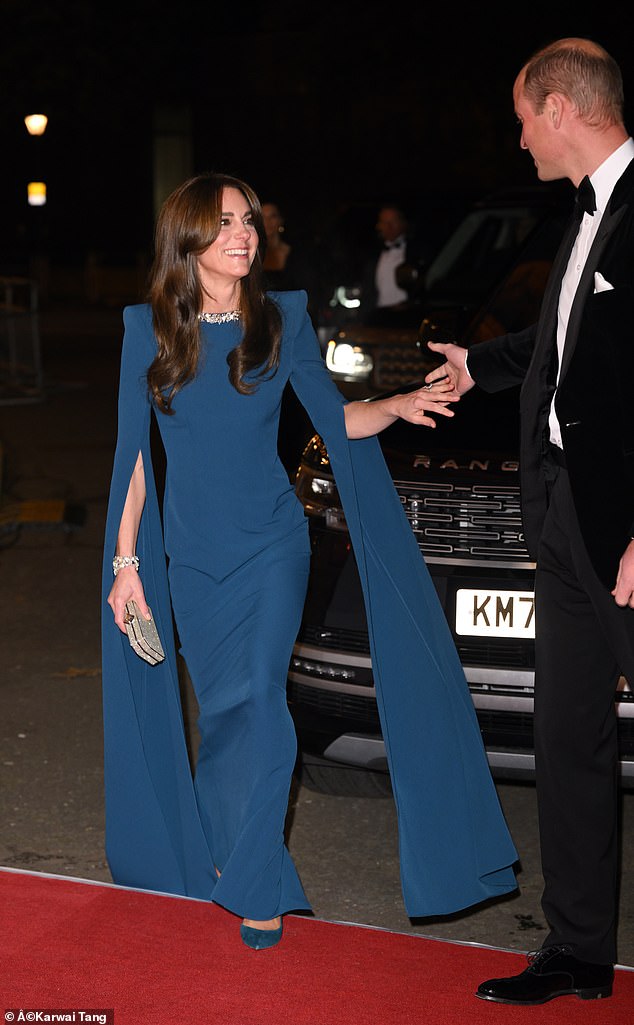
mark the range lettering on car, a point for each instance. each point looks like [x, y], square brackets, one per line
[428, 463]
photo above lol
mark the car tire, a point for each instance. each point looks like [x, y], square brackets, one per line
[338, 780]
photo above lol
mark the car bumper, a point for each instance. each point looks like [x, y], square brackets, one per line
[339, 720]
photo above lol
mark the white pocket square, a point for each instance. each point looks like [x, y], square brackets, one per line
[600, 284]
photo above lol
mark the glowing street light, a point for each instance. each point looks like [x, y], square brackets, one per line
[36, 193]
[36, 123]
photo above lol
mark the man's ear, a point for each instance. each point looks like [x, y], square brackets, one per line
[554, 108]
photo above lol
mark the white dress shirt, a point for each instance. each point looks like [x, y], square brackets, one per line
[388, 292]
[603, 181]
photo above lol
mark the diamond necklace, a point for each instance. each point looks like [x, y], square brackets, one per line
[219, 318]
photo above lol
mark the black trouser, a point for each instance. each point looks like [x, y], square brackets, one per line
[584, 642]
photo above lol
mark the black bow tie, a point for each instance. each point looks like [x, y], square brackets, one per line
[585, 196]
[393, 245]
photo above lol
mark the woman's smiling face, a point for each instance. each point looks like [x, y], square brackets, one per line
[230, 255]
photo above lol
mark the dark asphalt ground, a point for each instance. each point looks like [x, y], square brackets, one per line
[51, 786]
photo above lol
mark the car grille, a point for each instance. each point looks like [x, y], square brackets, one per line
[503, 652]
[335, 638]
[476, 522]
[396, 365]
[515, 728]
[360, 710]
[509, 728]
[497, 727]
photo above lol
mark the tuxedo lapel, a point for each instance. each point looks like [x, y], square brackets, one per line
[546, 326]
[620, 199]
[548, 314]
[608, 224]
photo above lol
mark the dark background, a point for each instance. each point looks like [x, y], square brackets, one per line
[319, 107]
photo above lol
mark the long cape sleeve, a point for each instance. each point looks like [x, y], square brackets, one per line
[154, 838]
[455, 848]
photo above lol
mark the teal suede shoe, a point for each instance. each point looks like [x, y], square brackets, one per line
[260, 939]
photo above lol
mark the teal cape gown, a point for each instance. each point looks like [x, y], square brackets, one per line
[454, 846]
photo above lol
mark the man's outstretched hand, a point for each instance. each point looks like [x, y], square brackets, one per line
[454, 368]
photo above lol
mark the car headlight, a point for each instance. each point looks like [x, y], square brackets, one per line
[346, 360]
[316, 489]
[323, 488]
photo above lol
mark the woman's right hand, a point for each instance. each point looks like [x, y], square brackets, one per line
[127, 587]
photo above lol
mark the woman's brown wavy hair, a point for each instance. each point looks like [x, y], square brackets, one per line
[188, 223]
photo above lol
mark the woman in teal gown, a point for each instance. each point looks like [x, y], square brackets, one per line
[227, 560]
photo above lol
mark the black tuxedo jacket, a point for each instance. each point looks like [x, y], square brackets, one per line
[595, 397]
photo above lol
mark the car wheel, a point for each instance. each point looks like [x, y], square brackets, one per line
[339, 780]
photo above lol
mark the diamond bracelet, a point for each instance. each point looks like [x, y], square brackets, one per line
[121, 561]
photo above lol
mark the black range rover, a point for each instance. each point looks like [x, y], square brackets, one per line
[459, 485]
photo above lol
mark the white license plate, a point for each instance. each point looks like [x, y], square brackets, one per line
[484, 613]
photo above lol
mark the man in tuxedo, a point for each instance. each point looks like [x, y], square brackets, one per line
[576, 366]
[391, 228]
[392, 275]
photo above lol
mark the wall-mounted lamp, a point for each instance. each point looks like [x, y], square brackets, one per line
[36, 123]
[36, 193]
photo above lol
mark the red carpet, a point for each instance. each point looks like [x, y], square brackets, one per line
[157, 960]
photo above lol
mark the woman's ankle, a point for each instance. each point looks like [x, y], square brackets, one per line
[267, 925]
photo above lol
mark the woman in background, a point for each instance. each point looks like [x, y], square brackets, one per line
[278, 250]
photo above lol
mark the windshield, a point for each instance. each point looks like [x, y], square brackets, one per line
[479, 250]
[489, 421]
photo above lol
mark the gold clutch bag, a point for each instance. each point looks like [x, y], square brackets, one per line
[143, 635]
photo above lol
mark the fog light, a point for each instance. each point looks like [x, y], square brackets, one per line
[323, 670]
[320, 486]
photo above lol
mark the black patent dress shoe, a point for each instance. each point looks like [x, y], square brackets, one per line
[552, 972]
